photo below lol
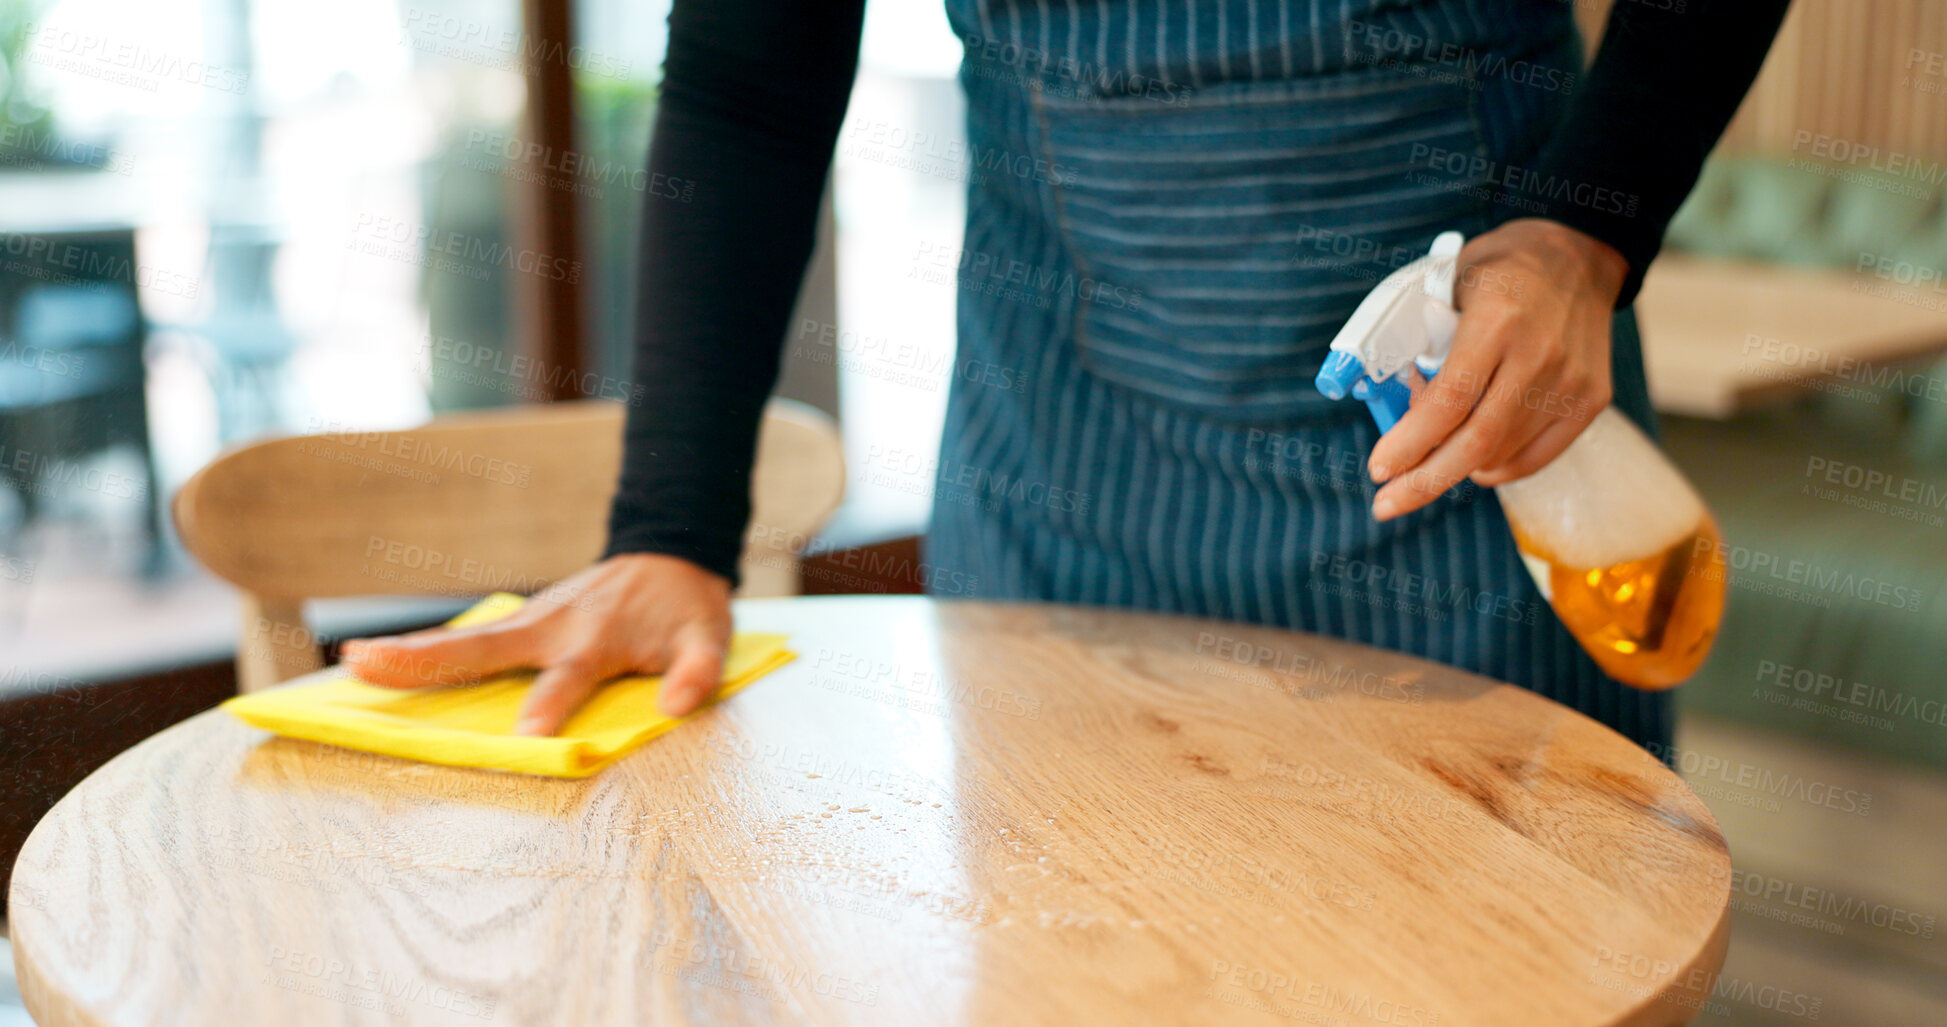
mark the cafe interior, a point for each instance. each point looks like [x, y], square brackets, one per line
[257, 398]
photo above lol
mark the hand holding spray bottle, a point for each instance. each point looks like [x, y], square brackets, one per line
[1613, 534]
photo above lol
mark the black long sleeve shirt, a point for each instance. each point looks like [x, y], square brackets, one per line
[754, 92]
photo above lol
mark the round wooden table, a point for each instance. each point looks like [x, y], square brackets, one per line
[941, 813]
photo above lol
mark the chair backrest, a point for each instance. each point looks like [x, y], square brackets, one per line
[500, 500]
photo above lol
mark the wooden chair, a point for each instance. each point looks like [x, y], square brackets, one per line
[501, 500]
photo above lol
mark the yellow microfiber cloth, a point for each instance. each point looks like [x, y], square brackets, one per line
[471, 725]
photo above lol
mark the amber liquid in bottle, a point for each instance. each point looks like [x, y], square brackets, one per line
[1649, 622]
[1625, 551]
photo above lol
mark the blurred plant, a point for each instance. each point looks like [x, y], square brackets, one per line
[21, 117]
[615, 113]
[613, 121]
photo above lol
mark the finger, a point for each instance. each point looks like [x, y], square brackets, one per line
[440, 656]
[1444, 403]
[556, 694]
[693, 674]
[1524, 425]
[1537, 454]
[1456, 458]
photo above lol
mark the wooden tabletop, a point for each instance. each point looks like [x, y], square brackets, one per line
[941, 813]
[1723, 337]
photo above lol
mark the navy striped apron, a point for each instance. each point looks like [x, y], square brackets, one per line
[1173, 208]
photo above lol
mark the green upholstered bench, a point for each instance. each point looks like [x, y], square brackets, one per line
[1835, 504]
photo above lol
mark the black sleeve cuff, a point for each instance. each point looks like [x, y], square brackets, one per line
[703, 548]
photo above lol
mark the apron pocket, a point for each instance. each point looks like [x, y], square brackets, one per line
[1230, 233]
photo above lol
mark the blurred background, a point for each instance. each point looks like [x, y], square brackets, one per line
[223, 219]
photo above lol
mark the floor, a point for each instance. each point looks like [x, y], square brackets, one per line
[1884, 865]
[84, 577]
[1886, 862]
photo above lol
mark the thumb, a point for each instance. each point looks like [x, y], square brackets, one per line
[693, 673]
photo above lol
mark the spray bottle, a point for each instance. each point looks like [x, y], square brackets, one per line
[1613, 534]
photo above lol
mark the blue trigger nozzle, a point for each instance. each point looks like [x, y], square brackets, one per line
[1336, 378]
[1388, 400]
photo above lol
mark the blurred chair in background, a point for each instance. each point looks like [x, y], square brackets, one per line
[72, 372]
[246, 344]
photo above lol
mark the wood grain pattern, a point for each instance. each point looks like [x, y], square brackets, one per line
[501, 500]
[1723, 337]
[942, 813]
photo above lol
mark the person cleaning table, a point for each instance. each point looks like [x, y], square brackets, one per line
[1173, 208]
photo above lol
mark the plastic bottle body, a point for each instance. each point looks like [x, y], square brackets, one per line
[1625, 552]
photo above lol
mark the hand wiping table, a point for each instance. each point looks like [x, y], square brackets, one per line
[472, 725]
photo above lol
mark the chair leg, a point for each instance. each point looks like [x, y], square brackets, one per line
[274, 645]
[155, 554]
